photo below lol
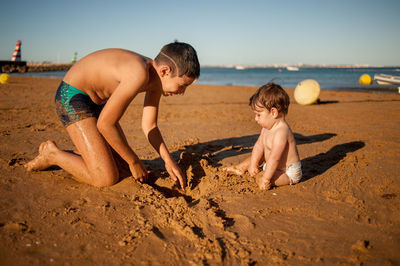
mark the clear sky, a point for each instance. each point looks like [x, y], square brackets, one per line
[222, 32]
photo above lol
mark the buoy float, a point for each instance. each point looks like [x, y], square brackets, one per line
[307, 92]
[16, 57]
[4, 78]
[365, 79]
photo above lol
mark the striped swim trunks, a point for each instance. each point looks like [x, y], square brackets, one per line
[73, 105]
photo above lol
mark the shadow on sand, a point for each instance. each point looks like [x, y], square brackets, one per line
[193, 156]
[217, 150]
[318, 164]
[326, 102]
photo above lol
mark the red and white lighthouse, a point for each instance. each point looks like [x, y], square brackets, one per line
[17, 52]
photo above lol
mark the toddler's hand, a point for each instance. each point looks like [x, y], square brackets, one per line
[263, 183]
[253, 170]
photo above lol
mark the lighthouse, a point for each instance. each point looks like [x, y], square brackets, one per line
[16, 57]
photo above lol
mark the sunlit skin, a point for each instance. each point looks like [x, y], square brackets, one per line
[276, 146]
[115, 84]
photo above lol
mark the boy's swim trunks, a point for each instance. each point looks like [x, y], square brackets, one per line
[293, 171]
[73, 105]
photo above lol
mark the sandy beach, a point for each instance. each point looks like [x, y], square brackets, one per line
[346, 210]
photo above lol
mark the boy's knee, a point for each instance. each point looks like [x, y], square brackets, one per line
[105, 178]
[105, 182]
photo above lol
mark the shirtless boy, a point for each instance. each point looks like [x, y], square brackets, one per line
[275, 145]
[94, 95]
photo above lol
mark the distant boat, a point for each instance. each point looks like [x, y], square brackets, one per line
[292, 68]
[239, 67]
[384, 79]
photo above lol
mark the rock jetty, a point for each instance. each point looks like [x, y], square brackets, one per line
[45, 67]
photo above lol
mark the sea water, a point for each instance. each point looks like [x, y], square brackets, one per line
[329, 78]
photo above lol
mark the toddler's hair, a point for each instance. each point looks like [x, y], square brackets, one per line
[181, 58]
[271, 95]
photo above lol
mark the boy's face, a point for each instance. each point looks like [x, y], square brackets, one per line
[175, 85]
[263, 117]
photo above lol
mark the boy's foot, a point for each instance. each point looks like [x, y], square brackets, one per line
[233, 170]
[42, 161]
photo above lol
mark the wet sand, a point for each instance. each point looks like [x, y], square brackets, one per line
[346, 210]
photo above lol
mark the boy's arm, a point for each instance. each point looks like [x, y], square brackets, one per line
[279, 143]
[108, 123]
[153, 134]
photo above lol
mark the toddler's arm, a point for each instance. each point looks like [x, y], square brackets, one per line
[256, 155]
[279, 143]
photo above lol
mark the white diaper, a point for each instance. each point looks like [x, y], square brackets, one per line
[293, 171]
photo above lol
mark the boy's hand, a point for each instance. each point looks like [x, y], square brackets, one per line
[253, 170]
[263, 183]
[176, 173]
[139, 172]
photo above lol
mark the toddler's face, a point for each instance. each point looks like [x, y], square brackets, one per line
[175, 85]
[263, 117]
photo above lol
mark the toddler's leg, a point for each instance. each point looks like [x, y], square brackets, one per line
[280, 178]
[240, 168]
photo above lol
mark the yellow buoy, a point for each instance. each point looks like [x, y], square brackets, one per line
[365, 79]
[307, 92]
[4, 78]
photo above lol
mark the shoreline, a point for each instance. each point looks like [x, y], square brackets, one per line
[346, 210]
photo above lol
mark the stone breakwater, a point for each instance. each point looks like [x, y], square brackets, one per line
[45, 67]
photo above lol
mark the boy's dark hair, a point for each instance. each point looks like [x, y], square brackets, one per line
[271, 95]
[181, 58]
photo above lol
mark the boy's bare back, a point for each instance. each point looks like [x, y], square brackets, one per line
[99, 73]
